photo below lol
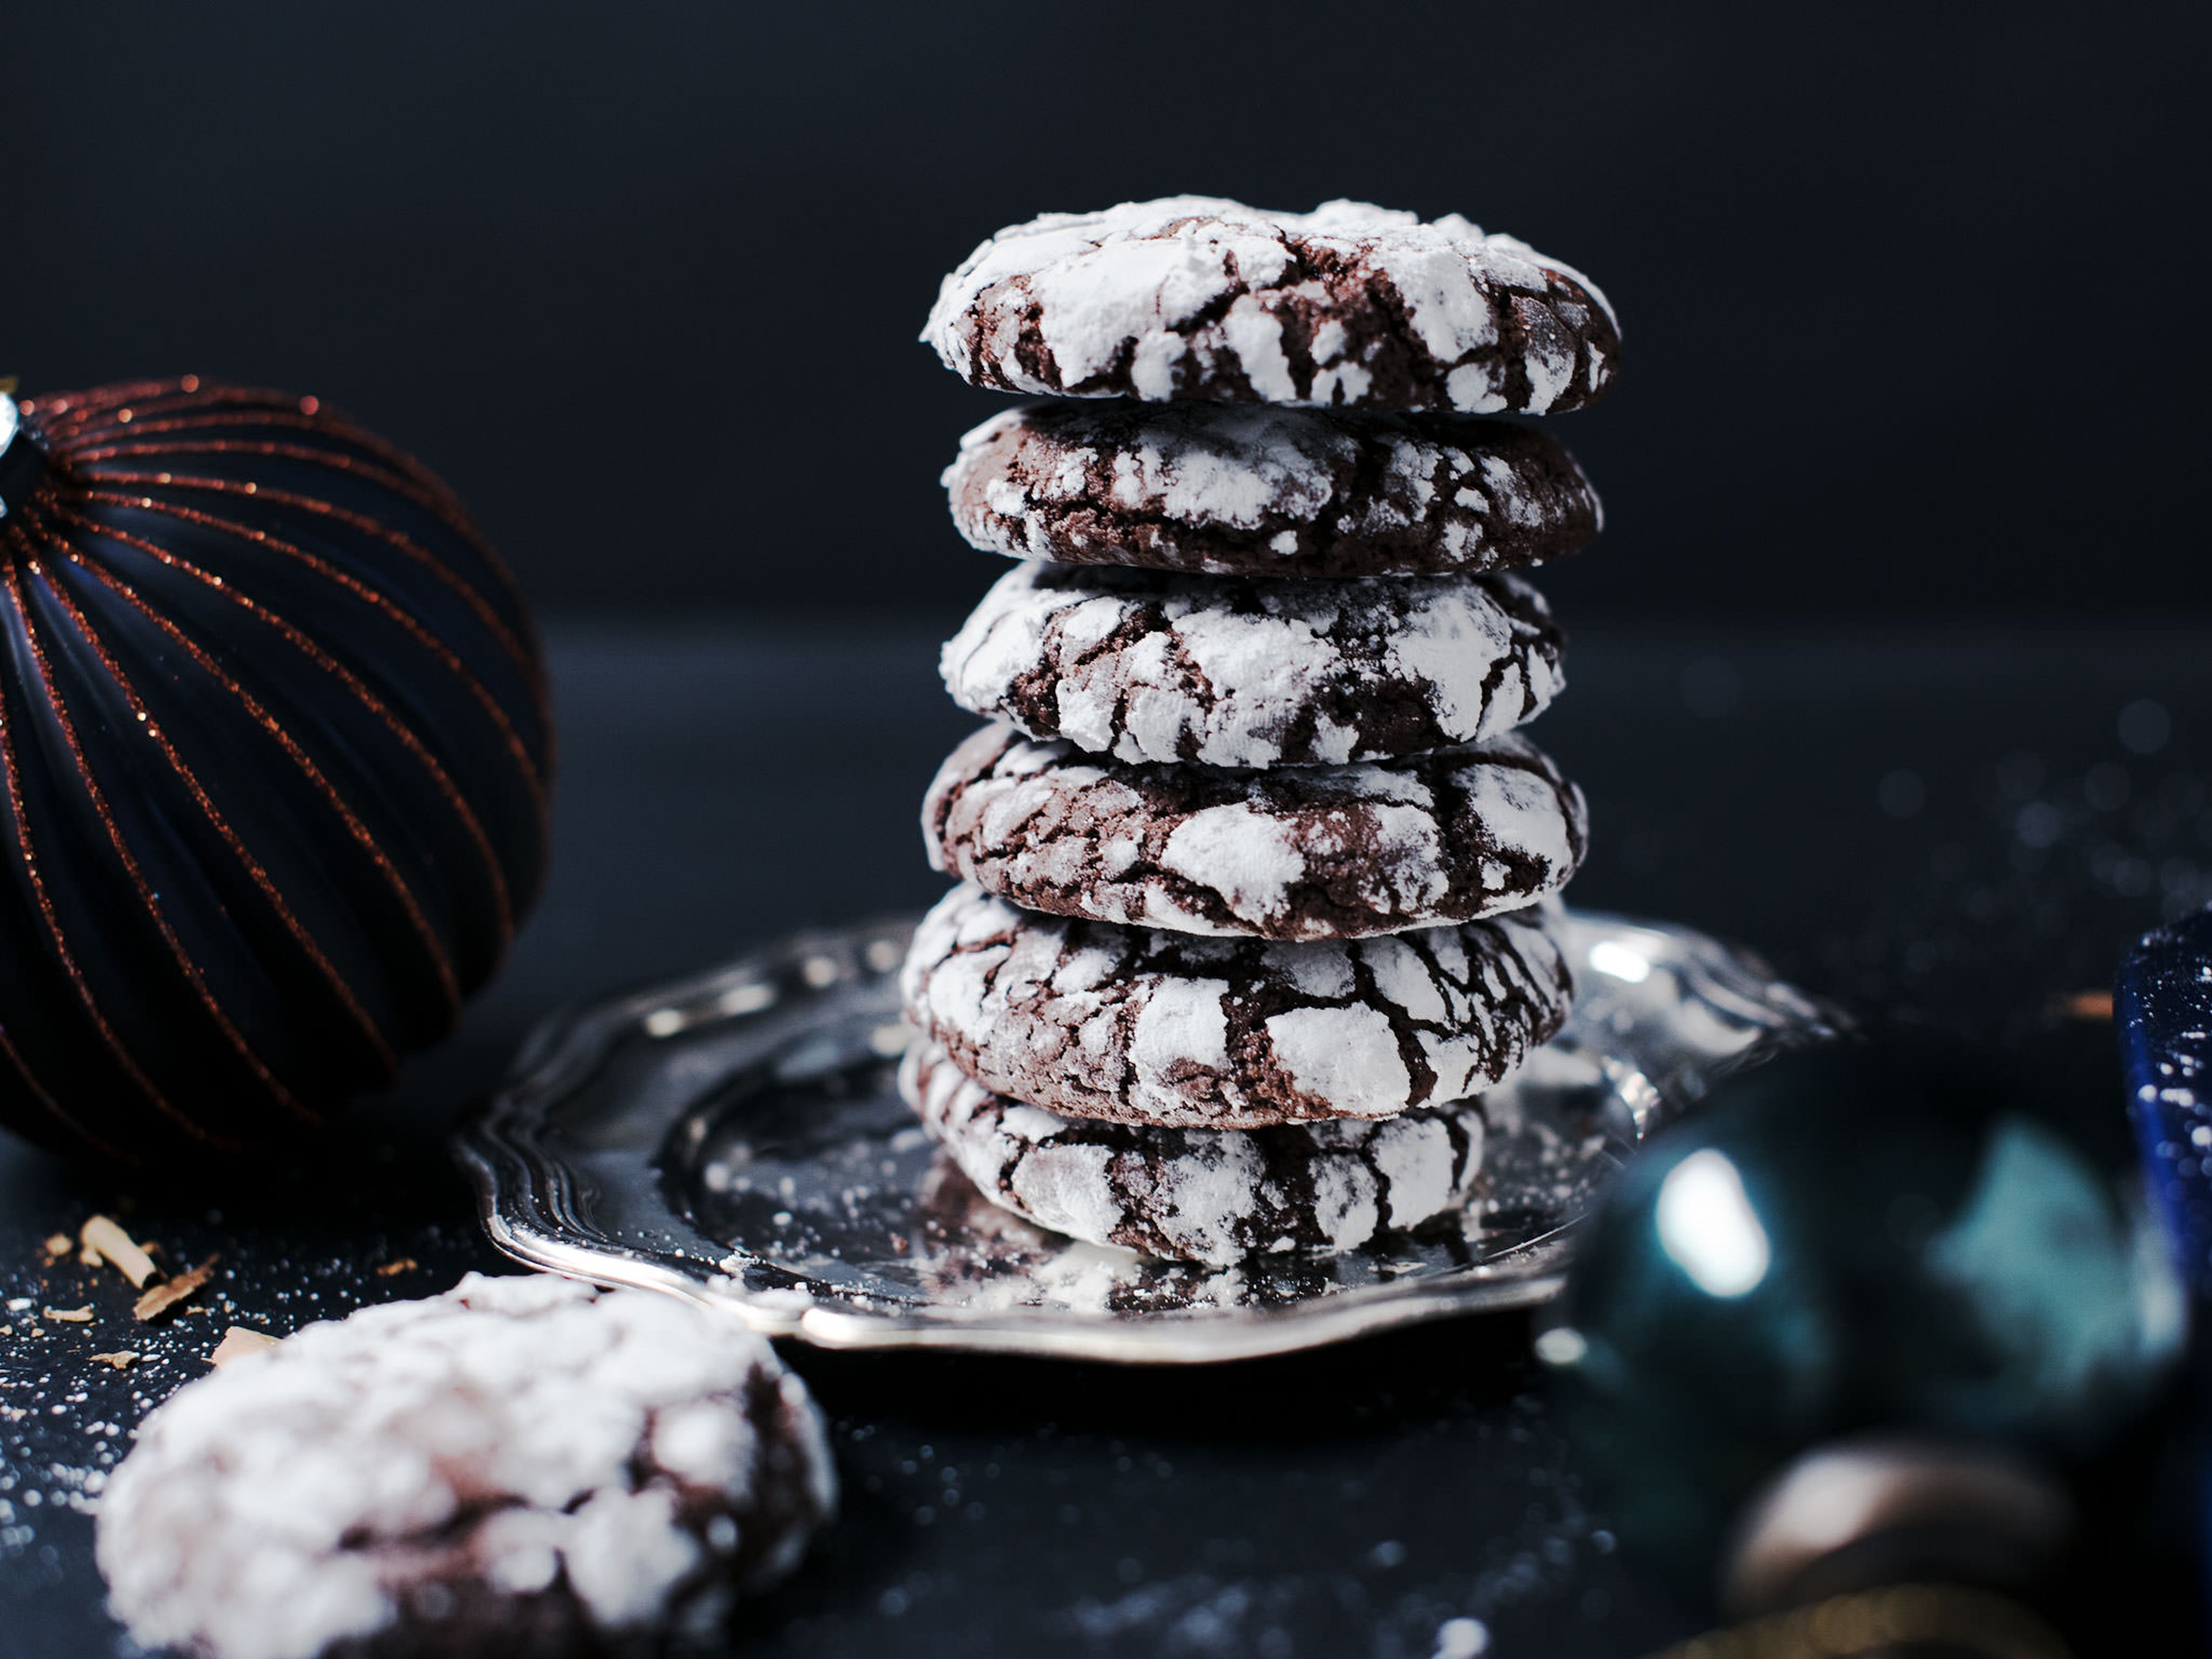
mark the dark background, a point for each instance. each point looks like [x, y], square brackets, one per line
[1914, 336]
[1910, 291]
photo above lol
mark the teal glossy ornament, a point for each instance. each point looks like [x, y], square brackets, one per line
[1889, 1237]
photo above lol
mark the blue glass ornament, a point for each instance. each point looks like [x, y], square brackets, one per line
[274, 755]
[1870, 1237]
[2162, 999]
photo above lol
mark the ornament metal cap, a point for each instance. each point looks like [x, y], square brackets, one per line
[1890, 1509]
[23, 463]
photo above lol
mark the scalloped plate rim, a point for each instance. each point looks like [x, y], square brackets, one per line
[522, 1192]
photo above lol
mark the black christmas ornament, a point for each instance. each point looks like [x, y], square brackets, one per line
[273, 756]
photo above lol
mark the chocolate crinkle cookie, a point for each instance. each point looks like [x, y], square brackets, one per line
[1245, 671]
[522, 1465]
[1295, 853]
[1351, 306]
[1138, 1025]
[1243, 490]
[1200, 1194]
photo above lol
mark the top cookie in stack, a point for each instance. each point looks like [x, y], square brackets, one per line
[1350, 306]
[1258, 876]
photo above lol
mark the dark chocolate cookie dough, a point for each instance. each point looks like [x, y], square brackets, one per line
[1268, 491]
[1138, 1025]
[1295, 853]
[1351, 306]
[1243, 670]
[1207, 1195]
[521, 1465]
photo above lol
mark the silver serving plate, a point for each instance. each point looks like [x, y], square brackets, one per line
[736, 1138]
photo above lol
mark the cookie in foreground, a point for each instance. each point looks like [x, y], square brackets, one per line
[1246, 670]
[520, 1466]
[1209, 1195]
[1139, 1026]
[1293, 852]
[1351, 306]
[1261, 490]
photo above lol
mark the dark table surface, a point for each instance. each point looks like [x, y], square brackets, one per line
[1957, 828]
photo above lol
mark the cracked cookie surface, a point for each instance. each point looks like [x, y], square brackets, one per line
[523, 1464]
[1351, 306]
[1229, 489]
[1246, 670]
[1092, 1019]
[1295, 853]
[1209, 1195]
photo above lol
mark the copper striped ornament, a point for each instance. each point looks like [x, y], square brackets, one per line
[273, 756]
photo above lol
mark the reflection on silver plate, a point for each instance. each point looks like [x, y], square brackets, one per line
[736, 1138]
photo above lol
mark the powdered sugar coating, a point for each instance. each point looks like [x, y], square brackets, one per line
[1209, 1195]
[1264, 491]
[1246, 672]
[1351, 306]
[524, 1454]
[1138, 1025]
[1295, 853]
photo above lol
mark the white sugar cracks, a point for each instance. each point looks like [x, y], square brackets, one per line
[1261, 880]
[522, 1459]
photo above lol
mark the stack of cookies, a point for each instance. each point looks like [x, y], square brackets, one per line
[1258, 876]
